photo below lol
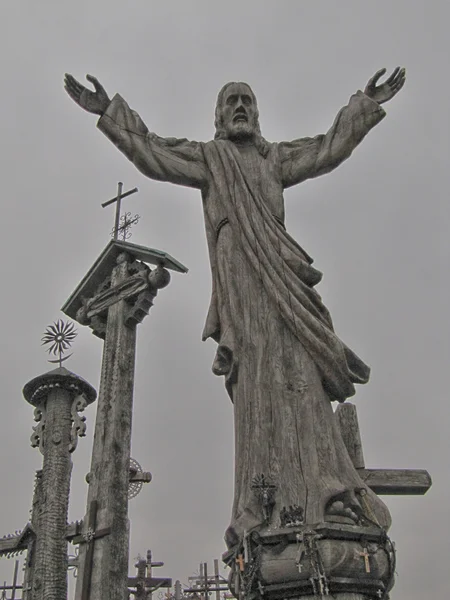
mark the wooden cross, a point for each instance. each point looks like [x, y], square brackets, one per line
[364, 554]
[205, 584]
[118, 200]
[240, 562]
[395, 482]
[144, 583]
[89, 537]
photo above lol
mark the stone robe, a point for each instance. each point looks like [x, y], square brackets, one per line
[281, 360]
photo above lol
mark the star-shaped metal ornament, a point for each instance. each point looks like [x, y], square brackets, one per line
[59, 336]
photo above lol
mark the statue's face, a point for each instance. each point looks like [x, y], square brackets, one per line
[238, 112]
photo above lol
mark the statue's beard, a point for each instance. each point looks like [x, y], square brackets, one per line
[240, 131]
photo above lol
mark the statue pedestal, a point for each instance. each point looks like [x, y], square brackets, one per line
[347, 561]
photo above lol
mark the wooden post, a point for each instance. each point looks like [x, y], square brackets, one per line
[14, 588]
[109, 474]
[112, 299]
[217, 578]
[58, 397]
[91, 534]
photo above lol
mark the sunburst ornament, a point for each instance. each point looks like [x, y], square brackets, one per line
[60, 336]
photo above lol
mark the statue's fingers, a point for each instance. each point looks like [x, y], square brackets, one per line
[398, 85]
[402, 75]
[96, 83]
[393, 75]
[373, 80]
[399, 80]
[73, 86]
[71, 81]
[73, 92]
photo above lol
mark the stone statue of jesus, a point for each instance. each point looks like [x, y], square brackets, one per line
[282, 363]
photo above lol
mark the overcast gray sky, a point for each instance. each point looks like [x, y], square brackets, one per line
[377, 228]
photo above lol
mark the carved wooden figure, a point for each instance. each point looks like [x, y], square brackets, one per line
[295, 481]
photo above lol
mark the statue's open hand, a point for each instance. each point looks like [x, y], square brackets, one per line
[94, 102]
[387, 90]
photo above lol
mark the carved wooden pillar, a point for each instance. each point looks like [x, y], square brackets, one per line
[113, 298]
[58, 397]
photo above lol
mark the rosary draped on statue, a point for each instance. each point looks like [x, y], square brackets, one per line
[282, 363]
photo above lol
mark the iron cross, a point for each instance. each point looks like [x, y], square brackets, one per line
[118, 200]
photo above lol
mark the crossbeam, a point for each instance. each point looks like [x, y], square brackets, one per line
[393, 482]
[397, 482]
[118, 200]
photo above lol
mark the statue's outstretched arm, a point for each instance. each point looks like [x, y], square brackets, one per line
[163, 159]
[306, 158]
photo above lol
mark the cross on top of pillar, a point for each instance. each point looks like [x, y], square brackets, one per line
[127, 221]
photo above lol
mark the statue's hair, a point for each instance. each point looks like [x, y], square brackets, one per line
[221, 134]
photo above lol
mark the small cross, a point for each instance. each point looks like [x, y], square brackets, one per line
[365, 555]
[118, 200]
[260, 482]
[380, 593]
[240, 562]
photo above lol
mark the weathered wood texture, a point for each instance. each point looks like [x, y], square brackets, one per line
[280, 367]
[38, 499]
[394, 482]
[277, 348]
[397, 482]
[50, 572]
[110, 458]
[348, 424]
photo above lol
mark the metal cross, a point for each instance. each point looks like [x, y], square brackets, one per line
[118, 200]
[126, 222]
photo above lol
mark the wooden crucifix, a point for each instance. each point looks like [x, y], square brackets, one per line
[88, 537]
[144, 584]
[118, 200]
